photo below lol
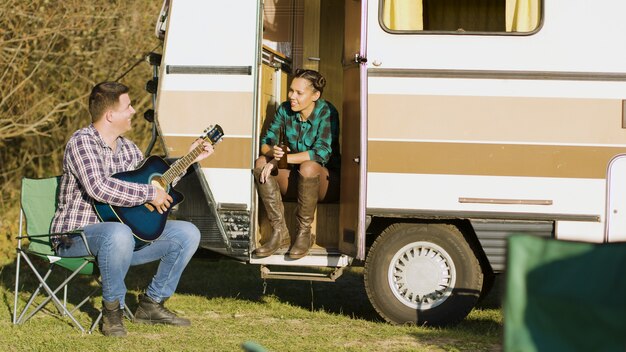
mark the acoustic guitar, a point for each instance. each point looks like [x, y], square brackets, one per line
[144, 220]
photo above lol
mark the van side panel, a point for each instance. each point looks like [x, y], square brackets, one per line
[488, 125]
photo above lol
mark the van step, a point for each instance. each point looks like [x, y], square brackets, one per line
[266, 273]
[318, 257]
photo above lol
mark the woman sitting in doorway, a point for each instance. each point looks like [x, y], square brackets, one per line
[309, 128]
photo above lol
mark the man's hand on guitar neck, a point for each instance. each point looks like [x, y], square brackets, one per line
[206, 150]
[162, 201]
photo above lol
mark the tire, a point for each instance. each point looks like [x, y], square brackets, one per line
[425, 274]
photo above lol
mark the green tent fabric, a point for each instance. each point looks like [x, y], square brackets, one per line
[564, 296]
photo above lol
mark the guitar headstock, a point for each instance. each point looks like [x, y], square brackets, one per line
[213, 134]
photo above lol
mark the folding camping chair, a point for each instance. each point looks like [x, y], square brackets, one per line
[38, 205]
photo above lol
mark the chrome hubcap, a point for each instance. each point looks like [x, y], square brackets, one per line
[422, 275]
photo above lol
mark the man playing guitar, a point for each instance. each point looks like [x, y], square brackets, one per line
[92, 155]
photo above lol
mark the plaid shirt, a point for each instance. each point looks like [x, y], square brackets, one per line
[87, 164]
[319, 134]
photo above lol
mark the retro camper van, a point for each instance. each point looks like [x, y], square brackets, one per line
[462, 123]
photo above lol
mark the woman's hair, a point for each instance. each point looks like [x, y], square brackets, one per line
[317, 80]
[104, 96]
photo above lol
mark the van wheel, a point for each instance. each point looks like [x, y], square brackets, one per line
[422, 274]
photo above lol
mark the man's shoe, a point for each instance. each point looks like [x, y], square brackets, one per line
[112, 319]
[151, 312]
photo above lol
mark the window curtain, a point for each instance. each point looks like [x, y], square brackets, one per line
[522, 15]
[403, 14]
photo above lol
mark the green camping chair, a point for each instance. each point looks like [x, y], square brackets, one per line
[38, 205]
[564, 296]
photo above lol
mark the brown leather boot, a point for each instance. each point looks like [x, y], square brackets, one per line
[308, 189]
[112, 319]
[269, 192]
[151, 312]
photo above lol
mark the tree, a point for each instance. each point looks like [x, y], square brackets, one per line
[51, 55]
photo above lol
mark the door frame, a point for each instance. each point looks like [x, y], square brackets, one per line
[354, 138]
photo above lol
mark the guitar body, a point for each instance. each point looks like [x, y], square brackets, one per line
[145, 221]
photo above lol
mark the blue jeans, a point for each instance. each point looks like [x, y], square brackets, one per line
[113, 245]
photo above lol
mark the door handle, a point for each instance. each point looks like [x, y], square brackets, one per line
[359, 59]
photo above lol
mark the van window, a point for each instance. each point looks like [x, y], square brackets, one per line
[461, 16]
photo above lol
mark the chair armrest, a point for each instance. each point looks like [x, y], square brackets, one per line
[75, 232]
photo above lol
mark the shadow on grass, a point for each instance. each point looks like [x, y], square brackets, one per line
[210, 278]
[80, 287]
[224, 278]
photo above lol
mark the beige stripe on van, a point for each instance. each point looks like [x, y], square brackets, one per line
[188, 112]
[496, 119]
[490, 159]
[231, 153]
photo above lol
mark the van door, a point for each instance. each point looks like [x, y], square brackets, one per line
[354, 132]
[209, 76]
[615, 220]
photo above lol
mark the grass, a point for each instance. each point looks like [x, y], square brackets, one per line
[228, 306]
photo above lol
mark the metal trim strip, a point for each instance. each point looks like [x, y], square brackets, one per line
[463, 214]
[505, 201]
[208, 70]
[498, 74]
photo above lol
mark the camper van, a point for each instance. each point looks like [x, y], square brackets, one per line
[461, 123]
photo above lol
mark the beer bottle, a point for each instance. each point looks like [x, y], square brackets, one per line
[282, 143]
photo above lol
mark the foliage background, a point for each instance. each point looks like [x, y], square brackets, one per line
[51, 55]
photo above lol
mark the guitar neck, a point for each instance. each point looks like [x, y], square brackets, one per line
[182, 164]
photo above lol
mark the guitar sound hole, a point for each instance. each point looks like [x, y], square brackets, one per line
[157, 181]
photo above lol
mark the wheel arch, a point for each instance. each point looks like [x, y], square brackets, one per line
[377, 224]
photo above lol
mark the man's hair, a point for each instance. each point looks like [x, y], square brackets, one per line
[103, 97]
